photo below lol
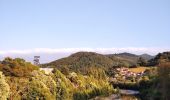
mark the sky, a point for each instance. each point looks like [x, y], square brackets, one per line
[54, 25]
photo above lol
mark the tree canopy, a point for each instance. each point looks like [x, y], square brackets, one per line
[16, 67]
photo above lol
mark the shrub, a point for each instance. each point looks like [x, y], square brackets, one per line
[64, 88]
[17, 67]
[38, 91]
[41, 87]
[4, 88]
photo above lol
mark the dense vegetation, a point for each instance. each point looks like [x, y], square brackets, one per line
[160, 58]
[25, 81]
[158, 85]
[85, 75]
[81, 61]
[16, 67]
[148, 84]
[4, 88]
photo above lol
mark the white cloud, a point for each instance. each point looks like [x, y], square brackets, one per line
[48, 54]
[73, 50]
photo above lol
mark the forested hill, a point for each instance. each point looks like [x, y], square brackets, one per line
[160, 58]
[146, 56]
[81, 61]
[124, 59]
[130, 56]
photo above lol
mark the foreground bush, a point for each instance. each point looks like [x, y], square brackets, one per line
[64, 88]
[4, 88]
[18, 86]
[27, 82]
[91, 86]
[17, 67]
[79, 87]
[164, 80]
[41, 87]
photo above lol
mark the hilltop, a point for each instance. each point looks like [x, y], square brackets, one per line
[81, 61]
[147, 56]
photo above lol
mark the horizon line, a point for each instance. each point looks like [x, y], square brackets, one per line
[135, 50]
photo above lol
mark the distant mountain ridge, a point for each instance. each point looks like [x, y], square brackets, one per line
[127, 54]
[147, 56]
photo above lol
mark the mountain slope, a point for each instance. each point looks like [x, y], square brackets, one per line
[125, 59]
[160, 58]
[81, 61]
[146, 56]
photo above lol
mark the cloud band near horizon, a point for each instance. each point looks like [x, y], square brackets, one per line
[152, 51]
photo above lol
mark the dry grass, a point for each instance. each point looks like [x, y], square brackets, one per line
[138, 69]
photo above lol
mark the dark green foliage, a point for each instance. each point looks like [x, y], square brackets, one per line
[158, 87]
[81, 62]
[164, 80]
[65, 70]
[124, 59]
[141, 62]
[27, 82]
[80, 96]
[160, 58]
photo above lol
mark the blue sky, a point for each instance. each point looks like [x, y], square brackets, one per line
[29, 24]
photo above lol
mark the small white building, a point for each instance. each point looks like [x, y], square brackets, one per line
[47, 70]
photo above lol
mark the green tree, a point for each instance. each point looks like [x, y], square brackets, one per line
[17, 67]
[41, 87]
[38, 91]
[64, 88]
[65, 70]
[164, 79]
[18, 86]
[141, 62]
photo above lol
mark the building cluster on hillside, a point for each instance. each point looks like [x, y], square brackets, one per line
[126, 74]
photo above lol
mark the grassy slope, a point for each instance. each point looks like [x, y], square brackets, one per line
[138, 69]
